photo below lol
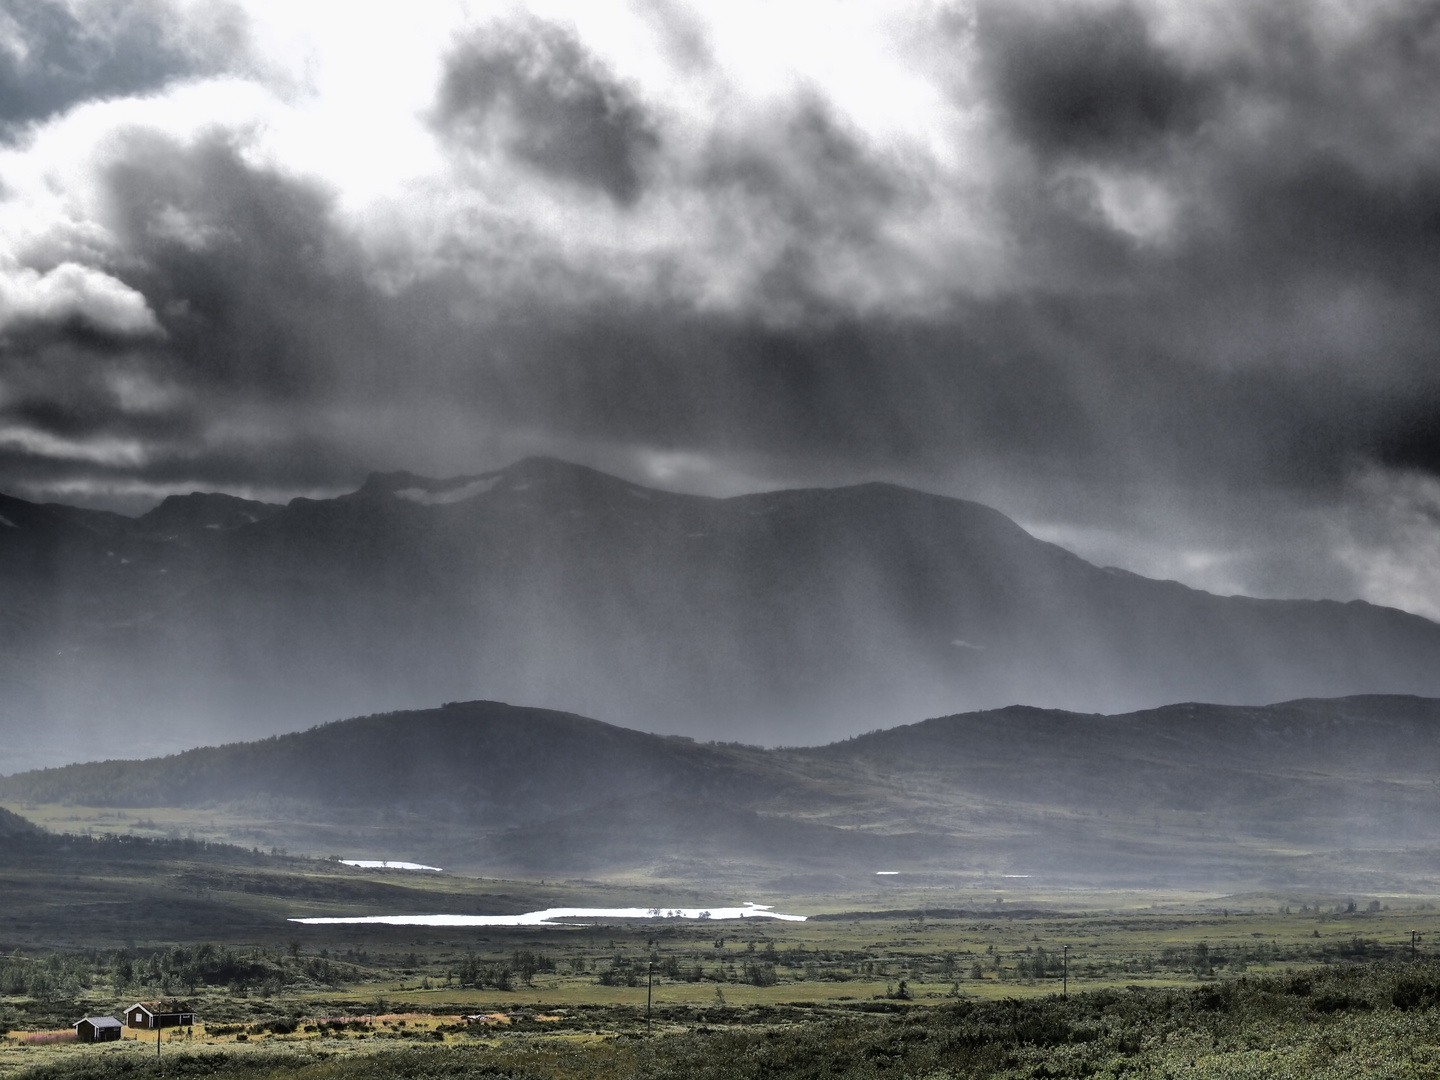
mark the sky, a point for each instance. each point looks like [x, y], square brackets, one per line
[1159, 280]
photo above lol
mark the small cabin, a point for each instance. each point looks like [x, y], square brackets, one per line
[151, 1015]
[97, 1029]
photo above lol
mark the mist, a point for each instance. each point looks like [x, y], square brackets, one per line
[792, 617]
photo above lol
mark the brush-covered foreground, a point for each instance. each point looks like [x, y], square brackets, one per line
[1344, 1021]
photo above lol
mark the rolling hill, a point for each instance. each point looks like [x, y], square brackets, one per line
[786, 617]
[1318, 791]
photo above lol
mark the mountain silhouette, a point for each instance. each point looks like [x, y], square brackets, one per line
[784, 617]
[1323, 792]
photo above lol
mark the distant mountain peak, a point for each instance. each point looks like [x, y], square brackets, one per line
[426, 490]
[526, 474]
[180, 514]
[765, 617]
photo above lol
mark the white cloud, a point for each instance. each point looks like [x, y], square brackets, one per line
[1391, 540]
[71, 292]
[345, 102]
[104, 450]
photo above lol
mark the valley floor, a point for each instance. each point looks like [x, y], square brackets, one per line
[1152, 993]
[898, 977]
[1342, 1021]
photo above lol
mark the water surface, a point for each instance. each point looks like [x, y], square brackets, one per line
[551, 916]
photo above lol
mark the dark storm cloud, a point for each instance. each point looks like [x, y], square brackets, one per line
[1025, 383]
[1279, 328]
[264, 319]
[820, 192]
[1265, 334]
[557, 107]
[1086, 80]
[59, 55]
[256, 289]
[1411, 438]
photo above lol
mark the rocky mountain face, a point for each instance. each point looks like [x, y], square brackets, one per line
[786, 617]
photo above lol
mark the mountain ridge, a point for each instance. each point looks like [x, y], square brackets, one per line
[1188, 793]
[773, 617]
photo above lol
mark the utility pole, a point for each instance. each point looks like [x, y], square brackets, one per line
[1065, 971]
[158, 1029]
[649, 987]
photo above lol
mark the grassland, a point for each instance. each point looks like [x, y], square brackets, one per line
[1349, 1020]
[573, 999]
[913, 975]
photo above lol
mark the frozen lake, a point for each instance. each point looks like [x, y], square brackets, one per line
[386, 864]
[550, 916]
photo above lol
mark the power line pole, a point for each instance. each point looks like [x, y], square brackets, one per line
[649, 987]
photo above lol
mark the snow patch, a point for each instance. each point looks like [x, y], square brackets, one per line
[450, 495]
[386, 864]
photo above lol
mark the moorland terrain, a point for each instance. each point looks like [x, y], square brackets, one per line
[1270, 985]
[1222, 890]
[1330, 795]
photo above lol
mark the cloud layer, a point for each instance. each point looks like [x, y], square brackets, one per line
[1156, 278]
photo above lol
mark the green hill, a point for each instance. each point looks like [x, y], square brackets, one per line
[1311, 790]
[14, 825]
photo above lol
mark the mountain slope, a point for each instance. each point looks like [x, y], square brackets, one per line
[789, 616]
[478, 761]
[1201, 794]
[14, 824]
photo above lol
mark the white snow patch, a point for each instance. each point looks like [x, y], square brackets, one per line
[886, 873]
[450, 495]
[966, 645]
[549, 916]
[386, 864]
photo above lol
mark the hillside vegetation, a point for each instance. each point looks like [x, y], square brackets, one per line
[1343, 1024]
[1320, 792]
